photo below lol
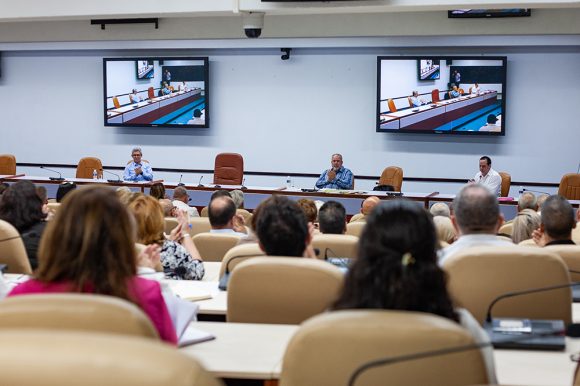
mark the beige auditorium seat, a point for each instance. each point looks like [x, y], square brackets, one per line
[71, 358]
[576, 233]
[355, 228]
[199, 225]
[571, 256]
[327, 349]
[213, 246]
[53, 206]
[506, 229]
[204, 212]
[12, 251]
[238, 254]
[476, 276]
[528, 243]
[335, 245]
[74, 311]
[170, 223]
[7, 164]
[281, 290]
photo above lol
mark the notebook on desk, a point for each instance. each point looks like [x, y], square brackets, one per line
[540, 336]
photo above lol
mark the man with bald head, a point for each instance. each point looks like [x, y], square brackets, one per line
[223, 218]
[476, 219]
[366, 208]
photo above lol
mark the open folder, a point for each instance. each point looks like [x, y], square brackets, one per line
[183, 313]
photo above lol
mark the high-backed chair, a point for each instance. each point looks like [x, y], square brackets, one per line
[150, 93]
[391, 105]
[281, 290]
[476, 276]
[506, 182]
[327, 349]
[7, 164]
[410, 101]
[71, 358]
[87, 165]
[213, 246]
[247, 216]
[199, 225]
[392, 175]
[204, 212]
[570, 186]
[228, 169]
[12, 251]
[75, 311]
[435, 95]
[335, 245]
[237, 254]
[355, 228]
[116, 102]
[571, 256]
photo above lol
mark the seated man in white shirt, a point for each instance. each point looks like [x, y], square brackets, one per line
[476, 218]
[416, 101]
[223, 218]
[181, 200]
[487, 176]
[475, 90]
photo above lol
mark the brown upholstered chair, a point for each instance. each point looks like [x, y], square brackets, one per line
[570, 186]
[392, 175]
[213, 246]
[150, 93]
[75, 311]
[327, 349]
[391, 105]
[435, 95]
[228, 169]
[281, 290]
[335, 245]
[238, 254]
[116, 102]
[355, 228]
[7, 164]
[12, 251]
[506, 182]
[87, 165]
[72, 358]
[476, 276]
[410, 101]
[571, 256]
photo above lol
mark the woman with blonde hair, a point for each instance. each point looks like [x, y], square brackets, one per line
[179, 256]
[445, 230]
[89, 247]
[524, 224]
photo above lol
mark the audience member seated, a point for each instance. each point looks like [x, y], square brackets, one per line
[528, 200]
[90, 248]
[43, 194]
[64, 189]
[541, 199]
[440, 209]
[366, 208]
[3, 187]
[179, 256]
[557, 222]
[445, 230]
[282, 228]
[181, 201]
[223, 217]
[397, 269]
[332, 218]
[454, 93]
[524, 224]
[310, 211]
[238, 197]
[22, 207]
[476, 219]
[216, 194]
[157, 191]
[168, 209]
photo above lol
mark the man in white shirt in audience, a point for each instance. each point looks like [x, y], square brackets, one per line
[487, 176]
[416, 101]
[476, 218]
[181, 201]
[223, 218]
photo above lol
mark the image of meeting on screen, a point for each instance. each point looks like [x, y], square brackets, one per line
[441, 95]
[156, 92]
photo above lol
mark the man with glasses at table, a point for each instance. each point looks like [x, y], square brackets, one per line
[138, 170]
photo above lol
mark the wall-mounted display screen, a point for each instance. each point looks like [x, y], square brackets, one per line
[156, 92]
[467, 96]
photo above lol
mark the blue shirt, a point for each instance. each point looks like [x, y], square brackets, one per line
[146, 175]
[343, 180]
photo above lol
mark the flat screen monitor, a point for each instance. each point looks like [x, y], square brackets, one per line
[156, 92]
[460, 95]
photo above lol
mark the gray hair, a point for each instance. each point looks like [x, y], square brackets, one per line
[137, 149]
[476, 210]
[238, 197]
[525, 223]
[338, 154]
[440, 209]
[527, 200]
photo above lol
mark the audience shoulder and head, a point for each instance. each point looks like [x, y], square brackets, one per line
[369, 204]
[445, 230]
[558, 218]
[157, 190]
[524, 224]
[238, 197]
[309, 208]
[440, 209]
[476, 211]
[149, 218]
[180, 194]
[21, 206]
[332, 218]
[221, 211]
[167, 206]
[527, 200]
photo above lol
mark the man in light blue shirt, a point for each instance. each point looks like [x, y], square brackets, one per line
[138, 170]
[337, 177]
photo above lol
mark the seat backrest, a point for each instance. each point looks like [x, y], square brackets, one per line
[238, 254]
[391, 105]
[576, 234]
[355, 228]
[410, 101]
[461, 91]
[506, 182]
[247, 216]
[170, 223]
[228, 169]
[75, 311]
[204, 212]
[435, 95]
[199, 225]
[571, 256]
[281, 290]
[12, 251]
[87, 165]
[213, 246]
[7, 164]
[71, 358]
[570, 186]
[116, 102]
[477, 276]
[335, 245]
[150, 93]
[392, 175]
[506, 229]
[327, 349]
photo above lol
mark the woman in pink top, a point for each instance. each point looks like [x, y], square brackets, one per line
[90, 247]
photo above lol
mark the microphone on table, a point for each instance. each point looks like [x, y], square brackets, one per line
[243, 187]
[113, 174]
[180, 183]
[59, 178]
[199, 183]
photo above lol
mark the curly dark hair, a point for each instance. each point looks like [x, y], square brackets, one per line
[397, 265]
[21, 206]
